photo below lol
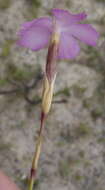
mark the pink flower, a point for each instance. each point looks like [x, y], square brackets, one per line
[36, 34]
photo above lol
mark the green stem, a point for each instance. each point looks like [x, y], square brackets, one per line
[36, 155]
[31, 184]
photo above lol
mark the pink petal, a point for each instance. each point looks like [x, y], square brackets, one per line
[85, 33]
[68, 47]
[43, 21]
[35, 34]
[65, 17]
[35, 38]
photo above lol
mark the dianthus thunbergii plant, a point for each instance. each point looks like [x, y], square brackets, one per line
[60, 34]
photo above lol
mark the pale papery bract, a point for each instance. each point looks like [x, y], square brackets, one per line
[36, 34]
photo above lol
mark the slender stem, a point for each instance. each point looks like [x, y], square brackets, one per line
[50, 75]
[36, 154]
[31, 184]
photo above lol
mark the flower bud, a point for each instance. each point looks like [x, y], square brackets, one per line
[51, 69]
[50, 73]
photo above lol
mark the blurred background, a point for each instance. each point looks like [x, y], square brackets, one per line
[73, 153]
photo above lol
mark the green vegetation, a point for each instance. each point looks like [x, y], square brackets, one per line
[36, 3]
[68, 3]
[25, 182]
[6, 48]
[4, 146]
[96, 103]
[64, 168]
[81, 154]
[95, 59]
[17, 73]
[78, 90]
[96, 113]
[36, 184]
[4, 4]
[33, 9]
[87, 103]
[61, 143]
[101, 139]
[87, 163]
[3, 82]
[102, 21]
[65, 91]
[100, 91]
[83, 130]
[92, 52]
[78, 177]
